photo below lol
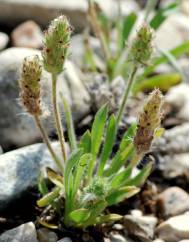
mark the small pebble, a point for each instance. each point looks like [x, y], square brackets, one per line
[46, 235]
[118, 227]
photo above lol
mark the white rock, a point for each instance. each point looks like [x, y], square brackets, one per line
[4, 39]
[23, 233]
[140, 226]
[174, 229]
[177, 25]
[117, 238]
[66, 239]
[173, 201]
[158, 240]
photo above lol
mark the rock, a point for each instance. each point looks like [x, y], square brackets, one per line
[117, 238]
[118, 227]
[158, 240]
[1, 150]
[185, 6]
[178, 100]
[16, 127]
[22, 233]
[140, 226]
[66, 239]
[177, 25]
[185, 240]
[174, 229]
[4, 39]
[45, 235]
[15, 11]
[20, 170]
[174, 141]
[174, 166]
[27, 34]
[173, 201]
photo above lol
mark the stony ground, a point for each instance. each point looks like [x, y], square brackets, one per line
[160, 213]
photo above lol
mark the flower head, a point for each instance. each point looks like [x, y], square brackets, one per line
[56, 43]
[30, 84]
[141, 48]
[149, 121]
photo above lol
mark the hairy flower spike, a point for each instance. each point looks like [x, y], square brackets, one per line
[56, 43]
[30, 84]
[141, 49]
[149, 121]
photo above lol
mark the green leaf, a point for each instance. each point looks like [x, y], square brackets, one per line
[128, 136]
[162, 81]
[42, 186]
[81, 167]
[121, 194]
[108, 144]
[69, 123]
[98, 129]
[49, 198]
[96, 209]
[162, 14]
[108, 218]
[126, 26]
[85, 142]
[79, 215]
[176, 52]
[96, 137]
[119, 179]
[141, 177]
[55, 178]
[119, 160]
[70, 165]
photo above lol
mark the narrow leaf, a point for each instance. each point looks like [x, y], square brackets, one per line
[108, 218]
[55, 178]
[85, 142]
[141, 177]
[108, 145]
[79, 215]
[122, 194]
[49, 198]
[70, 165]
[69, 123]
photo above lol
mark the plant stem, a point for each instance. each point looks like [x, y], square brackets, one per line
[97, 29]
[47, 142]
[57, 116]
[126, 94]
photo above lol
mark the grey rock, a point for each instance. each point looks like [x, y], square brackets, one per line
[4, 39]
[1, 150]
[140, 226]
[178, 100]
[22, 233]
[20, 170]
[16, 127]
[174, 141]
[173, 201]
[173, 166]
[15, 11]
[66, 239]
[45, 235]
[174, 229]
[27, 34]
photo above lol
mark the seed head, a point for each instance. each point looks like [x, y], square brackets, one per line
[149, 121]
[30, 84]
[141, 48]
[56, 43]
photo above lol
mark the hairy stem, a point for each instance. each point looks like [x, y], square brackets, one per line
[57, 116]
[47, 142]
[126, 95]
